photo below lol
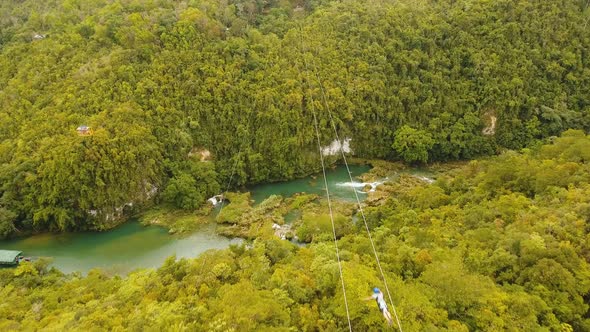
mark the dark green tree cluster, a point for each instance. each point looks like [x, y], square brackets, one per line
[192, 182]
[159, 79]
[482, 248]
[413, 145]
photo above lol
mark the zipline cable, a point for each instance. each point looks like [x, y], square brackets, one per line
[229, 181]
[317, 132]
[356, 194]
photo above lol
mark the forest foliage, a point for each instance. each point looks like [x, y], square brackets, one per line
[159, 80]
[498, 244]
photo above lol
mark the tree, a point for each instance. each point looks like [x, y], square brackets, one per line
[412, 144]
[182, 191]
[7, 219]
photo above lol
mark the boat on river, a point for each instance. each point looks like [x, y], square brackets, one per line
[12, 257]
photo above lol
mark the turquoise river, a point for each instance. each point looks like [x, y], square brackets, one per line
[132, 246]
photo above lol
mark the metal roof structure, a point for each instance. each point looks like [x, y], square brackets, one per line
[9, 256]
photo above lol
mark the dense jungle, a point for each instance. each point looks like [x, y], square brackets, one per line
[162, 81]
[188, 99]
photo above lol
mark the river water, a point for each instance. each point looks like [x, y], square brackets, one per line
[338, 181]
[121, 250]
[132, 246]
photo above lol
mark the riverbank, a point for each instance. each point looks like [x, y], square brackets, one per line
[295, 210]
[444, 245]
[304, 216]
[267, 210]
[177, 221]
[121, 250]
[148, 238]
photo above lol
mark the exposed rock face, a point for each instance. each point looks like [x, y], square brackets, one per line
[490, 119]
[202, 153]
[283, 232]
[111, 216]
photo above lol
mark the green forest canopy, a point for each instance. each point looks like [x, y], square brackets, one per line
[499, 244]
[159, 81]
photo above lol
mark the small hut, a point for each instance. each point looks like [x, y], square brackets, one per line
[84, 131]
[9, 257]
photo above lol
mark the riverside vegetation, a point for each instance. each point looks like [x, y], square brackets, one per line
[497, 244]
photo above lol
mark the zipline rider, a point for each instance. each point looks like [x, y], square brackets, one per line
[378, 296]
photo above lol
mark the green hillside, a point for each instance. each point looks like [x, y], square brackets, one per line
[160, 82]
[497, 245]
